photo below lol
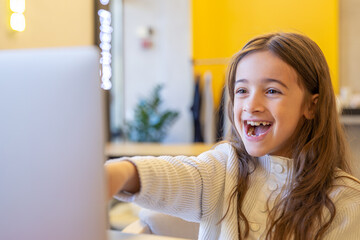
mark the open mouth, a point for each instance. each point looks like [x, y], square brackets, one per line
[256, 128]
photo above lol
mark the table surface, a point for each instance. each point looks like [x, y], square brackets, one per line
[154, 149]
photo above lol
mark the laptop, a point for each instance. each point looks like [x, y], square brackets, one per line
[51, 145]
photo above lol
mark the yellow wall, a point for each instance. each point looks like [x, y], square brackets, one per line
[50, 23]
[221, 28]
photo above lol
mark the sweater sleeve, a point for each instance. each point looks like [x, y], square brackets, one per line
[346, 224]
[187, 187]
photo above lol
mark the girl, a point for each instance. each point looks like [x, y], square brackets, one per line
[282, 174]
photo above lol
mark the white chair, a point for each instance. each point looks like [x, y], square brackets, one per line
[152, 222]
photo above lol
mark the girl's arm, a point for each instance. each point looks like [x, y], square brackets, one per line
[187, 187]
[122, 176]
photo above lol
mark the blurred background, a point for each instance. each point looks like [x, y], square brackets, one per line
[177, 44]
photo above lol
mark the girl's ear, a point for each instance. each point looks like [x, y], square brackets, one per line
[309, 112]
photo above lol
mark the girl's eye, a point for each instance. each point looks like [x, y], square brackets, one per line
[241, 91]
[273, 91]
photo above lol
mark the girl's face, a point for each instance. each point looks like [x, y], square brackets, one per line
[268, 103]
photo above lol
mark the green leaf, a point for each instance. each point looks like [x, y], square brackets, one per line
[150, 123]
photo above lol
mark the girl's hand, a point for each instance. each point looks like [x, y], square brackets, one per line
[122, 176]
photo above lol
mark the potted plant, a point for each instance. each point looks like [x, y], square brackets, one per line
[150, 123]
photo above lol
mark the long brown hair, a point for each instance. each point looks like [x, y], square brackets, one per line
[318, 146]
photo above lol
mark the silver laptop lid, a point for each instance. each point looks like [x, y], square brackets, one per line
[51, 145]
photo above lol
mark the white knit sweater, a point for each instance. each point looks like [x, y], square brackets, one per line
[198, 188]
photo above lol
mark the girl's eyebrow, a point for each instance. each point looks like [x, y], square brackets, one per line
[266, 80]
[241, 81]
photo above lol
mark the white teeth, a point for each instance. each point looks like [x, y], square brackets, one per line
[253, 123]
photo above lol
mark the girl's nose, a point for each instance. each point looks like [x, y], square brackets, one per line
[253, 104]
